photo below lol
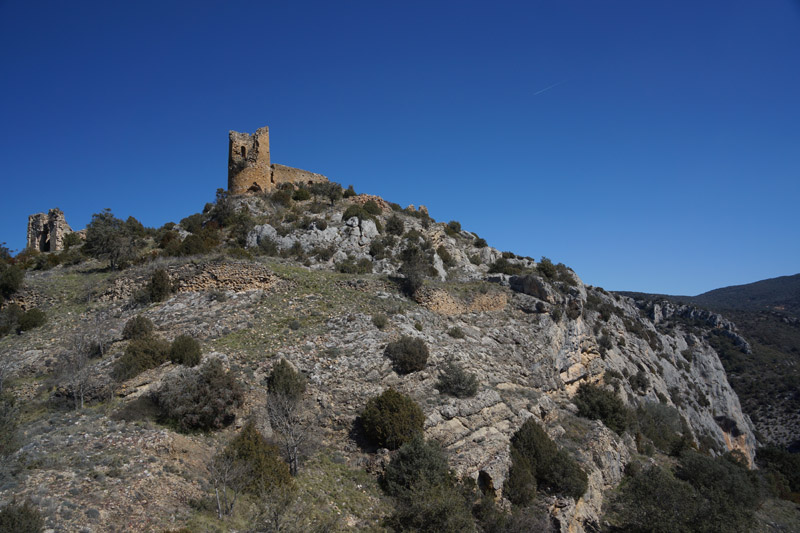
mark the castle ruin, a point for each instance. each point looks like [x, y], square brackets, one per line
[250, 169]
[46, 231]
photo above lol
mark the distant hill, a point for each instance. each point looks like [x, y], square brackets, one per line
[767, 314]
[777, 294]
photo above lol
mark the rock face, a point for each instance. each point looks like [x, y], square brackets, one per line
[530, 340]
[46, 231]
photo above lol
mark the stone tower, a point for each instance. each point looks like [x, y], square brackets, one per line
[249, 168]
[46, 232]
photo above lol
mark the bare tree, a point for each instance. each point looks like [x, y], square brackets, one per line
[291, 427]
[226, 474]
[72, 372]
[272, 514]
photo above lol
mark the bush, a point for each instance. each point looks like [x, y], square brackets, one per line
[640, 381]
[456, 332]
[504, 266]
[282, 197]
[268, 246]
[159, 287]
[9, 319]
[286, 381]
[260, 461]
[301, 195]
[453, 228]
[138, 327]
[408, 354]
[11, 277]
[140, 355]
[185, 351]
[350, 266]
[349, 192]
[200, 399]
[357, 211]
[9, 422]
[456, 381]
[380, 321]
[597, 403]
[480, 242]
[661, 424]
[546, 268]
[392, 419]
[372, 207]
[445, 256]
[23, 518]
[30, 319]
[535, 455]
[417, 461]
[416, 265]
[395, 225]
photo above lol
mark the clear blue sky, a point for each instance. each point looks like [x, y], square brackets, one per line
[651, 146]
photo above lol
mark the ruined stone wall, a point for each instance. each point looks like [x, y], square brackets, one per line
[249, 168]
[283, 174]
[248, 162]
[46, 232]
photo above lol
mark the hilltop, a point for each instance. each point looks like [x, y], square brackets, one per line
[163, 353]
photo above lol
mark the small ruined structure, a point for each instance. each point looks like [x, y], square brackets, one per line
[250, 169]
[46, 231]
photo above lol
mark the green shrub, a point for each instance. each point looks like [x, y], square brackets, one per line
[286, 381]
[639, 381]
[456, 381]
[141, 354]
[395, 225]
[357, 211]
[380, 320]
[349, 192]
[415, 266]
[23, 518]
[372, 207]
[445, 256]
[301, 195]
[9, 421]
[71, 240]
[11, 277]
[200, 399]
[535, 455]
[324, 254]
[377, 249]
[417, 461]
[9, 319]
[350, 266]
[426, 496]
[480, 242]
[159, 287]
[193, 245]
[320, 223]
[138, 327]
[546, 268]
[520, 485]
[268, 246]
[597, 403]
[282, 197]
[661, 424]
[30, 319]
[185, 351]
[392, 419]
[456, 332]
[504, 266]
[453, 228]
[407, 354]
[260, 461]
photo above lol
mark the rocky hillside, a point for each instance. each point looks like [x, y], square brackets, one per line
[765, 373]
[327, 286]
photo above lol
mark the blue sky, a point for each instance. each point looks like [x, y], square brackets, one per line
[651, 146]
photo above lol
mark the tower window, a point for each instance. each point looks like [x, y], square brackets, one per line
[244, 152]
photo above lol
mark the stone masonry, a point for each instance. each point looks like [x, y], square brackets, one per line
[46, 231]
[250, 169]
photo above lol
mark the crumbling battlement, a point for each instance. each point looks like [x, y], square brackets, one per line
[250, 169]
[46, 231]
